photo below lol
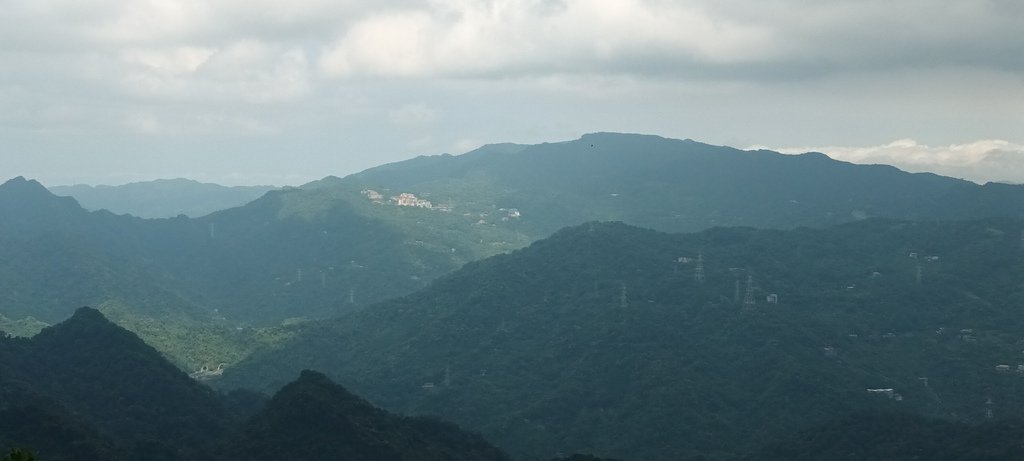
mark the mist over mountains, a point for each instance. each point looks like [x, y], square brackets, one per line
[624, 295]
[162, 198]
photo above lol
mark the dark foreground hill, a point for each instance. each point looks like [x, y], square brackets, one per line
[616, 340]
[89, 390]
[314, 419]
[118, 389]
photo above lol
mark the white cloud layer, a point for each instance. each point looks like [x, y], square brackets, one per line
[980, 161]
[348, 84]
[481, 38]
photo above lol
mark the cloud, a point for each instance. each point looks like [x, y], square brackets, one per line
[503, 37]
[388, 80]
[693, 39]
[247, 71]
[980, 161]
[416, 114]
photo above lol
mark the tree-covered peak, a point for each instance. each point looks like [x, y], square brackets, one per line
[18, 181]
[89, 322]
[21, 189]
[311, 383]
[313, 418]
[89, 314]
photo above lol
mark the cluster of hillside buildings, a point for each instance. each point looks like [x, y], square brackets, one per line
[411, 200]
[403, 199]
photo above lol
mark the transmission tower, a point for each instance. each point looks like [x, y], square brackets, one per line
[698, 272]
[748, 297]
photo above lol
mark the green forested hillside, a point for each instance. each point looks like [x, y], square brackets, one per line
[201, 290]
[87, 389]
[111, 381]
[209, 290]
[681, 185]
[585, 341]
[319, 253]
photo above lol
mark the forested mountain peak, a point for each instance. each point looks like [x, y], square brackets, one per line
[114, 381]
[313, 418]
[89, 324]
[310, 382]
[27, 199]
[19, 182]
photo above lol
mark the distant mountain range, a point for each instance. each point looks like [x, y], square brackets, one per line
[89, 390]
[866, 291]
[612, 339]
[680, 186]
[340, 244]
[162, 198]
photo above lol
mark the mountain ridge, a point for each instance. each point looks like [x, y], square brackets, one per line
[162, 198]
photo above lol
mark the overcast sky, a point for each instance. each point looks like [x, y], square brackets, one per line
[282, 92]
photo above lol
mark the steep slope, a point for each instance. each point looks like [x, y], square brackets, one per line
[162, 198]
[54, 255]
[585, 341]
[114, 382]
[291, 253]
[674, 185]
[315, 419]
[188, 285]
[314, 253]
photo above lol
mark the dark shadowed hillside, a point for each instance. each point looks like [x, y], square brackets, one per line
[88, 390]
[722, 340]
[315, 419]
[114, 382]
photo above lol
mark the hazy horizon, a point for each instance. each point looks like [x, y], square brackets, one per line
[266, 93]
